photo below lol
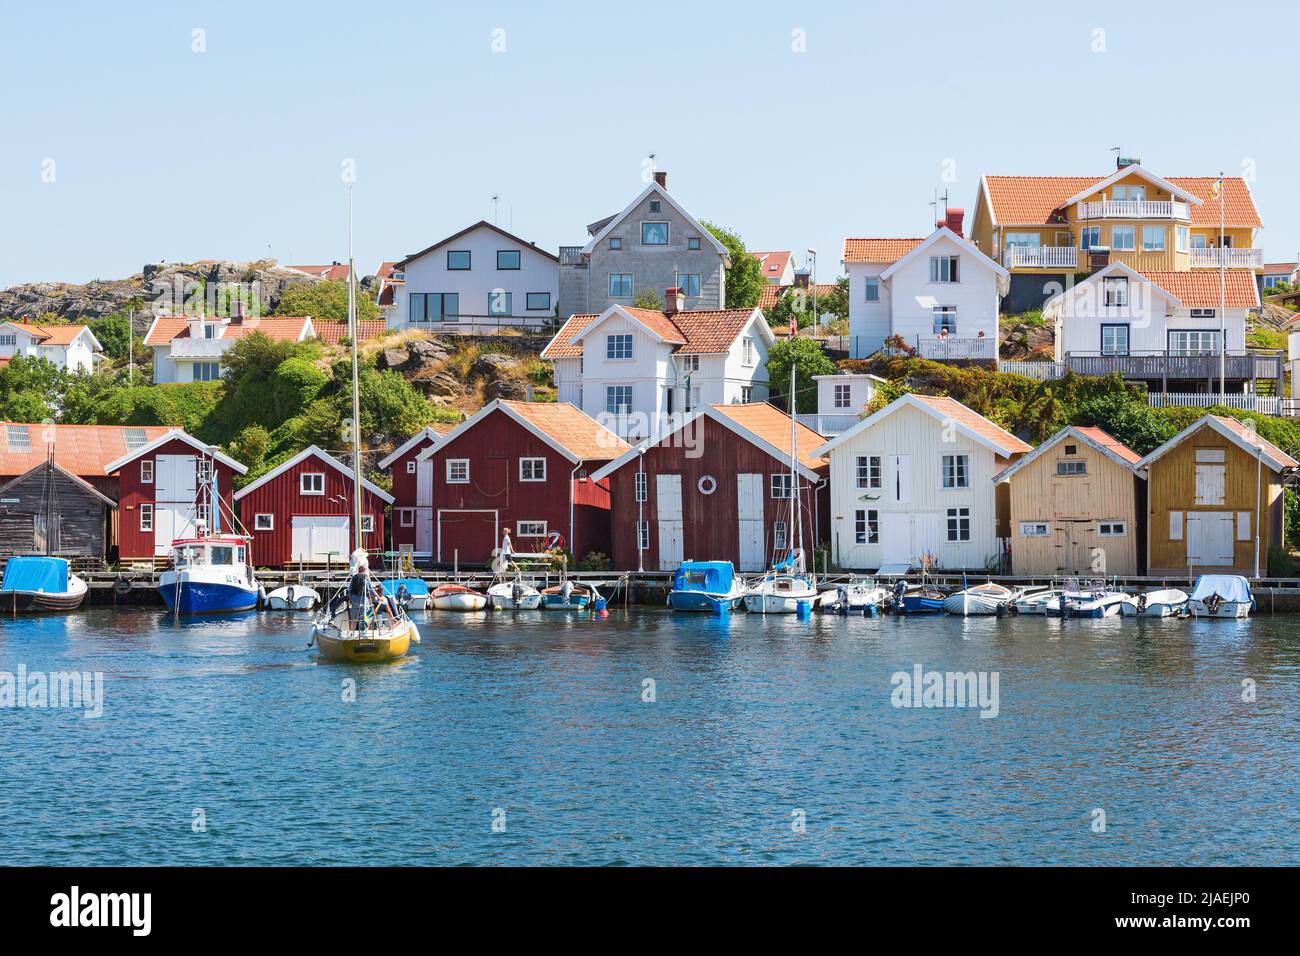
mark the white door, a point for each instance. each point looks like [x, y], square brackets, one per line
[895, 537]
[321, 538]
[171, 520]
[174, 478]
[424, 530]
[424, 483]
[668, 500]
[1209, 539]
[749, 512]
[900, 477]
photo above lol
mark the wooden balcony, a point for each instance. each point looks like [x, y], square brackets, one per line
[1040, 257]
[571, 256]
[1134, 209]
[952, 348]
[1162, 366]
[1235, 258]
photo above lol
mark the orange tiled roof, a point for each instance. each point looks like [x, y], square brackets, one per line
[878, 250]
[51, 334]
[692, 332]
[976, 422]
[332, 271]
[285, 328]
[1032, 200]
[773, 426]
[1253, 437]
[78, 449]
[773, 292]
[1199, 288]
[571, 428]
[1111, 444]
[774, 263]
[336, 332]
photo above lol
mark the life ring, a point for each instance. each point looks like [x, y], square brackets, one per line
[554, 540]
[707, 485]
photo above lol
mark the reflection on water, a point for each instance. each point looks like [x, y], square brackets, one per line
[752, 718]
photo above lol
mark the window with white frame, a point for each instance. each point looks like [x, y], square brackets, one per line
[410, 467]
[1033, 529]
[204, 470]
[958, 524]
[1153, 238]
[207, 371]
[1072, 467]
[457, 471]
[943, 268]
[1089, 237]
[1199, 240]
[532, 469]
[642, 535]
[1115, 291]
[1193, 342]
[146, 471]
[1123, 238]
[1114, 339]
[956, 471]
[654, 233]
[1112, 529]
[690, 364]
[866, 526]
[618, 346]
[311, 483]
[367, 524]
[869, 471]
[778, 536]
[530, 529]
[618, 399]
[873, 290]
[1180, 238]
[406, 517]
[146, 517]
[843, 395]
[781, 485]
[8, 339]
[1021, 240]
[945, 319]
[749, 355]
[640, 486]
[746, 393]
[264, 522]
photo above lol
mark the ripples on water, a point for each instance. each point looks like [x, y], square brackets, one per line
[755, 717]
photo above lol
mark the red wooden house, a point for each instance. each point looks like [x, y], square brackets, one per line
[717, 488]
[302, 511]
[412, 520]
[158, 485]
[522, 467]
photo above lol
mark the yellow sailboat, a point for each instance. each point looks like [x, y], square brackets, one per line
[375, 628]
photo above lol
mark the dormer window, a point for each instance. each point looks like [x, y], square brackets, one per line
[209, 330]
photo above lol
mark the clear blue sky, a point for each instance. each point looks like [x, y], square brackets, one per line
[163, 153]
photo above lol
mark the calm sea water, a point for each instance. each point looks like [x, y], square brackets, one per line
[542, 717]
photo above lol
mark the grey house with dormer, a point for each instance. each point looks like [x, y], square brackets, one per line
[652, 244]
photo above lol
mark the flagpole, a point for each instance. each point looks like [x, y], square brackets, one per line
[1223, 296]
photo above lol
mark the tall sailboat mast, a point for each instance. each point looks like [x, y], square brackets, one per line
[796, 512]
[356, 398]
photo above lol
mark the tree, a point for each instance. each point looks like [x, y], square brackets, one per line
[325, 301]
[648, 299]
[31, 389]
[745, 280]
[808, 358]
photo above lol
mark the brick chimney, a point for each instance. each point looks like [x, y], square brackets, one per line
[801, 277]
[956, 220]
[674, 301]
[661, 177]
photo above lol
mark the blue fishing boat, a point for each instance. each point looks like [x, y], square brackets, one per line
[918, 598]
[209, 575]
[705, 586]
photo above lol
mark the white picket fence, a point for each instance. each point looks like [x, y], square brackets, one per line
[1039, 371]
[1263, 404]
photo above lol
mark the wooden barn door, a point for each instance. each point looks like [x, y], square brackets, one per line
[749, 514]
[668, 501]
[1209, 539]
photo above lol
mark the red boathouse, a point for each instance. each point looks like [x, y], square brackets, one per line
[301, 511]
[522, 467]
[717, 488]
[412, 518]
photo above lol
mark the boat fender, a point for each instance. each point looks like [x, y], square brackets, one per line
[122, 585]
[261, 597]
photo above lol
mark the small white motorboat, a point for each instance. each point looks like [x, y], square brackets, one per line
[516, 595]
[854, 597]
[780, 594]
[984, 598]
[1167, 602]
[1093, 602]
[1034, 600]
[457, 597]
[1221, 595]
[293, 597]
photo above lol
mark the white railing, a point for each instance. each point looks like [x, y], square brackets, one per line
[1039, 371]
[1264, 404]
[1133, 209]
[199, 348]
[1235, 258]
[1040, 257]
[828, 426]
[951, 348]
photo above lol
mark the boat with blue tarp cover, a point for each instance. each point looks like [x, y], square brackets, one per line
[40, 583]
[705, 586]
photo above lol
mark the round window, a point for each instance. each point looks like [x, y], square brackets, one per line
[707, 485]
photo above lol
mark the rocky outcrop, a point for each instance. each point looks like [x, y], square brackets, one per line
[1027, 341]
[161, 288]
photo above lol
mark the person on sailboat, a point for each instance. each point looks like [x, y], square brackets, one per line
[358, 586]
